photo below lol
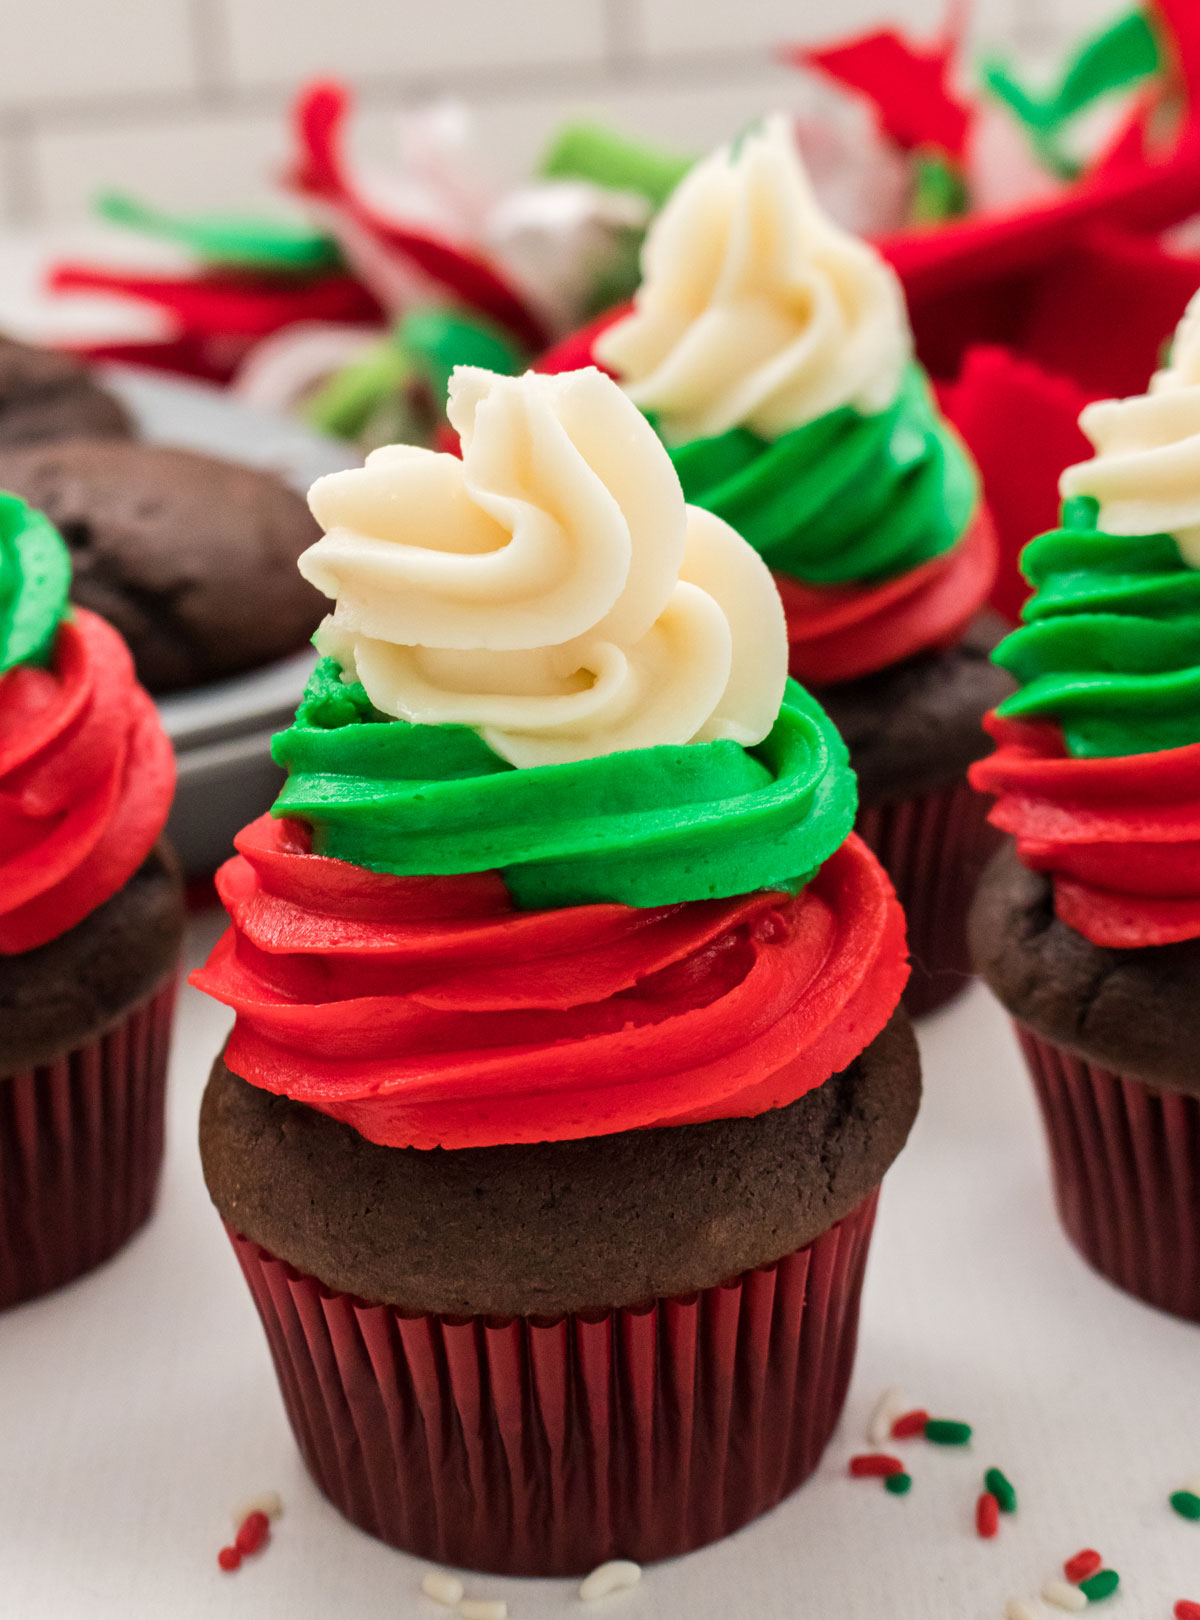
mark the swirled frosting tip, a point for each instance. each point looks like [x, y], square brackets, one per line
[1145, 473]
[35, 578]
[755, 309]
[550, 590]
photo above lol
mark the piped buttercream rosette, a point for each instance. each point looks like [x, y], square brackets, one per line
[755, 309]
[551, 590]
[773, 354]
[1145, 472]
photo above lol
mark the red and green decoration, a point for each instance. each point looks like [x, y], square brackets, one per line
[1006, 305]
[393, 393]
[257, 275]
[911, 88]
[1129, 52]
[914, 90]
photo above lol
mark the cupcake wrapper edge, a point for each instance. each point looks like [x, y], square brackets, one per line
[529, 1446]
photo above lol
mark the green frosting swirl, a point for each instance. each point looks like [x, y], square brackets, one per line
[1111, 643]
[647, 827]
[845, 498]
[35, 578]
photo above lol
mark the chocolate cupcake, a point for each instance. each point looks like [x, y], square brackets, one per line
[772, 352]
[45, 395]
[191, 558]
[567, 1060]
[1088, 930]
[91, 918]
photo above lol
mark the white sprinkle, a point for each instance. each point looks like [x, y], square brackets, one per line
[1018, 1609]
[890, 1405]
[442, 1588]
[268, 1502]
[483, 1609]
[1065, 1596]
[616, 1576]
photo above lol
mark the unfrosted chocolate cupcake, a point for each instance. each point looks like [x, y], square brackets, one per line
[191, 558]
[45, 395]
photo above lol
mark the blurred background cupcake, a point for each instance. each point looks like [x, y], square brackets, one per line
[772, 353]
[91, 918]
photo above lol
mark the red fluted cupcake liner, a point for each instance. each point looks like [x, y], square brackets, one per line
[1126, 1160]
[934, 847]
[81, 1142]
[531, 1446]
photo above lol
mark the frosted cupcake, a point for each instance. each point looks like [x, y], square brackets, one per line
[91, 917]
[566, 1064]
[772, 353]
[1088, 926]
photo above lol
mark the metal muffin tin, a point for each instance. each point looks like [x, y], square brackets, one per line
[222, 732]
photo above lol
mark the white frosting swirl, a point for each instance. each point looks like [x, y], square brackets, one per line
[1146, 470]
[551, 589]
[755, 309]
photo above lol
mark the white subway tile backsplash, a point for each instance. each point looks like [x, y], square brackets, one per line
[513, 131]
[214, 161]
[63, 50]
[684, 26]
[226, 160]
[183, 100]
[281, 41]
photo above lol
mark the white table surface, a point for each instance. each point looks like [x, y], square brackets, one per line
[139, 1405]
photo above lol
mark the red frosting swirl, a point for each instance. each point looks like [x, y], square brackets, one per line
[1121, 835]
[427, 1012]
[839, 632]
[86, 778]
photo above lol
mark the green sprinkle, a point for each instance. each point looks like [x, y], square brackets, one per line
[1002, 1489]
[1100, 1585]
[948, 1432]
[1186, 1504]
[898, 1484]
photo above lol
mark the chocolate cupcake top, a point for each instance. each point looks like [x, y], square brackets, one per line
[558, 1226]
[86, 770]
[562, 852]
[1098, 768]
[45, 395]
[772, 352]
[192, 559]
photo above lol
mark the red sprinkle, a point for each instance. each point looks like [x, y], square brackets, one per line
[987, 1515]
[1185, 1609]
[910, 1425]
[229, 1558]
[875, 1465]
[1083, 1564]
[255, 1529]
